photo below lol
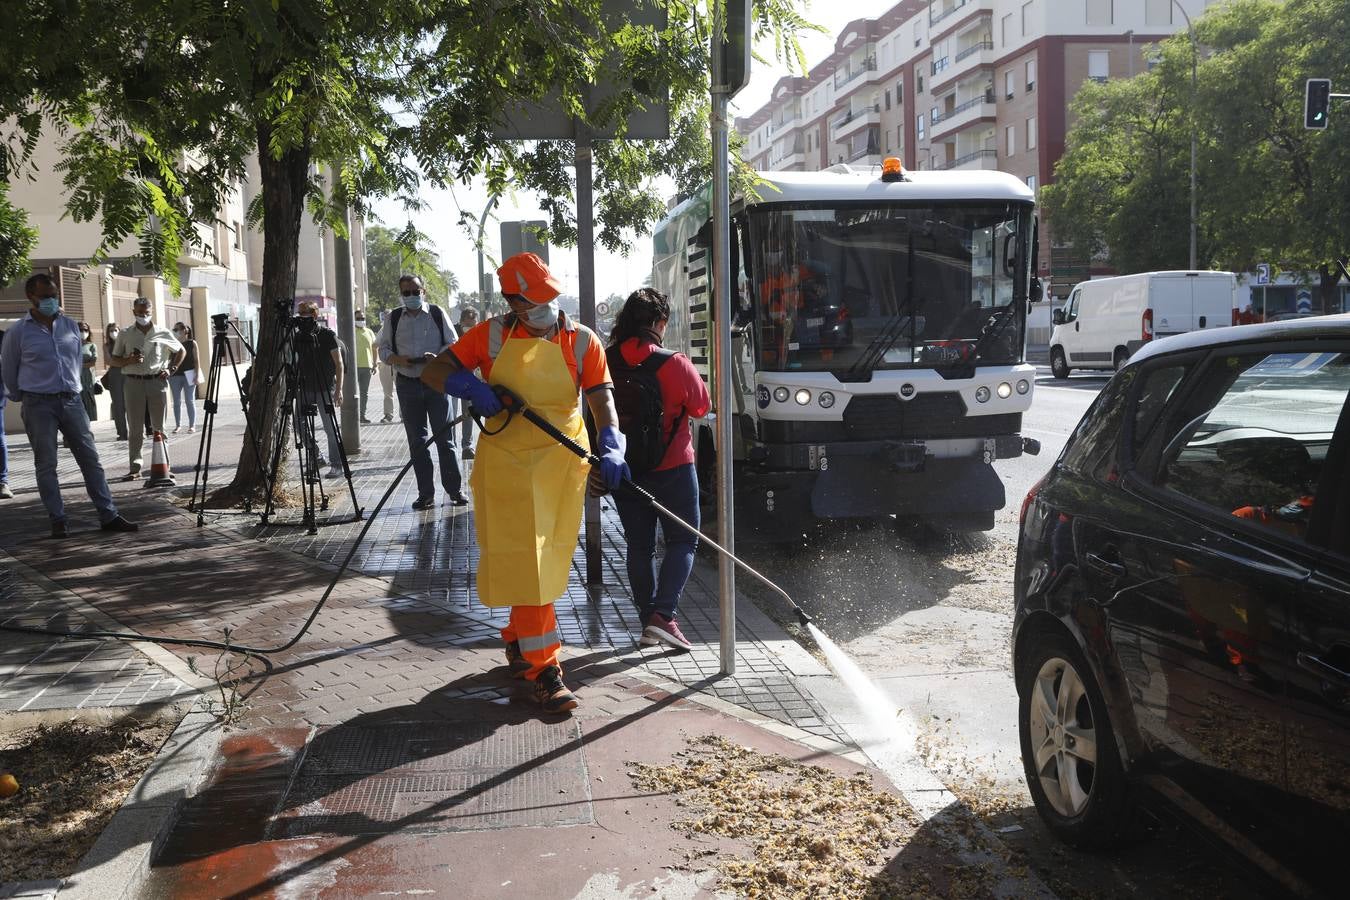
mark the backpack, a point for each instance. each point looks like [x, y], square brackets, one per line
[437, 316]
[637, 396]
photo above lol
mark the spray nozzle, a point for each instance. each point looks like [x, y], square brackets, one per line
[510, 400]
[802, 616]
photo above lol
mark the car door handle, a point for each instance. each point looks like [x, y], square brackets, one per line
[1322, 669]
[1106, 566]
[1075, 326]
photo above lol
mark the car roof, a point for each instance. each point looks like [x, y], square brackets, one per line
[1336, 326]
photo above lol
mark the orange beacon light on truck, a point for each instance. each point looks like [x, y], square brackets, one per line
[891, 170]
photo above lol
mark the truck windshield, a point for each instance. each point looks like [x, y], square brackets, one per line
[852, 289]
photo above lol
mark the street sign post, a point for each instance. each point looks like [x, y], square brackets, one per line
[523, 237]
[1263, 273]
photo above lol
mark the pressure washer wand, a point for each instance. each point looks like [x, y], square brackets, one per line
[512, 403]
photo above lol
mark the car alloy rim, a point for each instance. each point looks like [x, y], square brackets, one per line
[1063, 738]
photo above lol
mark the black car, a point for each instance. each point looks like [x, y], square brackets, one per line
[1183, 602]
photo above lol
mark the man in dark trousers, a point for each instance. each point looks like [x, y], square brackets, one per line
[40, 362]
[411, 337]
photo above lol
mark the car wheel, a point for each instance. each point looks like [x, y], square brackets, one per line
[1073, 769]
[1059, 366]
[1120, 359]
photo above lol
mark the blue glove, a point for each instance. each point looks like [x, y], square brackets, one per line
[613, 445]
[467, 386]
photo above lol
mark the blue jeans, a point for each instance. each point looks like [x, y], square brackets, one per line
[322, 419]
[4, 447]
[421, 406]
[43, 416]
[183, 391]
[677, 490]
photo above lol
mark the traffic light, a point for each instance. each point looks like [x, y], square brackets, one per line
[736, 45]
[1317, 103]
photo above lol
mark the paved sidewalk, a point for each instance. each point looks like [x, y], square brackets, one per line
[388, 750]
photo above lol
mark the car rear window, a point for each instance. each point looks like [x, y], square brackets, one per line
[1092, 449]
[1251, 439]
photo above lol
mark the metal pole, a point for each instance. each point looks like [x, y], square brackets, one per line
[346, 329]
[721, 252]
[1195, 53]
[595, 570]
[482, 294]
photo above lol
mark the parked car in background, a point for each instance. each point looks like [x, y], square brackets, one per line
[1182, 630]
[1106, 320]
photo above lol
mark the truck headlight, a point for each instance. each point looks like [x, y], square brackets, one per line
[780, 394]
[803, 396]
[1023, 386]
[826, 399]
[982, 394]
[1004, 390]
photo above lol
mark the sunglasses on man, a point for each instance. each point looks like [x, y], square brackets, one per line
[412, 293]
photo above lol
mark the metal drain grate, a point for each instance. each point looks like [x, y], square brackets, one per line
[437, 777]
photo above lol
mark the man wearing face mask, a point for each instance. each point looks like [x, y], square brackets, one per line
[528, 489]
[320, 357]
[147, 354]
[40, 366]
[412, 336]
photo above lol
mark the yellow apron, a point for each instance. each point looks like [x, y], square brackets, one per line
[528, 490]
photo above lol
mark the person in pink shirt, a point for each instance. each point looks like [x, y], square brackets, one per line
[663, 466]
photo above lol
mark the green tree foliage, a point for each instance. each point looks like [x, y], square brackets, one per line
[391, 254]
[17, 239]
[1269, 190]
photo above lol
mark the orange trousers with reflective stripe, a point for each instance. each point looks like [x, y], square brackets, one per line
[536, 628]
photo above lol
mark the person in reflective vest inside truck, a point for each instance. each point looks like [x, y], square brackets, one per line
[528, 490]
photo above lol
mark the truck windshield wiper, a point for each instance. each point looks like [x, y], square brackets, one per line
[907, 317]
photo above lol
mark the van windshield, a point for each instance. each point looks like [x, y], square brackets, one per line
[852, 289]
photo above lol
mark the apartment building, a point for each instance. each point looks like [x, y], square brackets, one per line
[960, 84]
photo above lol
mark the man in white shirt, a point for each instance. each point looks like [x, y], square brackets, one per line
[411, 337]
[147, 354]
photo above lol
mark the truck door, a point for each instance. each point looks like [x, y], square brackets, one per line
[1172, 300]
[1211, 302]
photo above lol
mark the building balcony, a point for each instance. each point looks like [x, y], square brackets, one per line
[792, 162]
[937, 14]
[980, 159]
[775, 127]
[973, 49]
[852, 121]
[867, 156]
[963, 115]
[869, 64]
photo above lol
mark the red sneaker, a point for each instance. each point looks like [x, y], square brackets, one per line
[659, 628]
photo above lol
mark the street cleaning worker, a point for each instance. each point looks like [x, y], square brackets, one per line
[528, 490]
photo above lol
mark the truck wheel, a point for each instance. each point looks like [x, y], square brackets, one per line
[1059, 366]
[1120, 359]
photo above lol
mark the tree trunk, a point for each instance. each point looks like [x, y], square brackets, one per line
[1329, 279]
[283, 193]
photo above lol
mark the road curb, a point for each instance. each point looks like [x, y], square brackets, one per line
[119, 862]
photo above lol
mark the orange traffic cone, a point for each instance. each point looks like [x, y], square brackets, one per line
[160, 475]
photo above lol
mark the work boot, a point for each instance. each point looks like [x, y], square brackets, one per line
[516, 660]
[551, 693]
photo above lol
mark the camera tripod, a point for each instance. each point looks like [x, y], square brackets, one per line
[307, 398]
[221, 349]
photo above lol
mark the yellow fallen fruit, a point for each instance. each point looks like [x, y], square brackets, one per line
[9, 785]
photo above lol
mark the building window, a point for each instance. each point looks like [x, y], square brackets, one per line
[1026, 18]
[1031, 183]
[1031, 74]
[1158, 12]
[1007, 28]
[888, 99]
[1099, 64]
[888, 140]
[899, 89]
[1009, 84]
[238, 236]
[900, 136]
[1031, 133]
[918, 82]
[1010, 140]
[919, 128]
[917, 37]
[1099, 12]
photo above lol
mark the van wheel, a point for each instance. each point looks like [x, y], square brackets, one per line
[1059, 366]
[1120, 359]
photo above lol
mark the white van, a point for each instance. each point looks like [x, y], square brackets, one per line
[1108, 319]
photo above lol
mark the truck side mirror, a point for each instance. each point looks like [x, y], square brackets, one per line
[1037, 293]
[1057, 317]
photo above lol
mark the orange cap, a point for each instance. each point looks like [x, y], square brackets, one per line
[528, 275]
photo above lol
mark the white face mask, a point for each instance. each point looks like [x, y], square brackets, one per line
[542, 315]
[142, 320]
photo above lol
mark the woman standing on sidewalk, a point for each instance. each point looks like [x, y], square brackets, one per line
[88, 359]
[635, 356]
[183, 381]
[115, 382]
